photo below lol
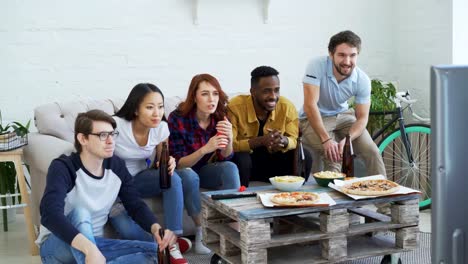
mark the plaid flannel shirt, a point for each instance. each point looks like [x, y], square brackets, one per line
[187, 137]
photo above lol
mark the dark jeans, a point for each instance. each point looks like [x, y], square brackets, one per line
[260, 165]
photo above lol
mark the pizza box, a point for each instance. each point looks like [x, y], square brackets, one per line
[339, 183]
[324, 200]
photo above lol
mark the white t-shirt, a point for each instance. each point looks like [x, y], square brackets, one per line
[128, 149]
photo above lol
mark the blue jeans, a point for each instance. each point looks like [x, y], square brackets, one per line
[218, 175]
[54, 250]
[147, 184]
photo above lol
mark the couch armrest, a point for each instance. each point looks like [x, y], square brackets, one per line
[38, 154]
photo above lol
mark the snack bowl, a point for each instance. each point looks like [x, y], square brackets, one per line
[287, 183]
[323, 178]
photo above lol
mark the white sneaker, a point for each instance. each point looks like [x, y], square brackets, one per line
[176, 256]
[200, 249]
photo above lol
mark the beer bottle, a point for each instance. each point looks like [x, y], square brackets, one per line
[164, 177]
[347, 166]
[164, 257]
[299, 168]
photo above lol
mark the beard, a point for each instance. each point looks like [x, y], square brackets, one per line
[338, 69]
[266, 107]
[263, 104]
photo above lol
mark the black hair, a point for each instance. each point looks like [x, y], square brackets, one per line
[259, 72]
[347, 37]
[135, 98]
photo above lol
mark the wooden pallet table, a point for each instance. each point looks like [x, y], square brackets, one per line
[345, 231]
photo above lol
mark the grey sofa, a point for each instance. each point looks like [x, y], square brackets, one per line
[55, 126]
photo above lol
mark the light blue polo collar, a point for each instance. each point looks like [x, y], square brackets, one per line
[352, 78]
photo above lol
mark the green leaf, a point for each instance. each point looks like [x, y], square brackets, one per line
[20, 129]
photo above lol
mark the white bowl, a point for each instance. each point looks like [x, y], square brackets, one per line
[287, 183]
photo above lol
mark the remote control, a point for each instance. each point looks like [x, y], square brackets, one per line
[232, 195]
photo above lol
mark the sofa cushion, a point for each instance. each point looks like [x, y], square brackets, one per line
[58, 119]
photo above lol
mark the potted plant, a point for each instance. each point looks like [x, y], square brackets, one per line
[11, 135]
[382, 105]
[4, 130]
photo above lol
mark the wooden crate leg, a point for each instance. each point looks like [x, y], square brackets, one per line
[354, 219]
[209, 236]
[407, 238]
[334, 221]
[227, 248]
[258, 256]
[210, 214]
[252, 234]
[334, 248]
[406, 212]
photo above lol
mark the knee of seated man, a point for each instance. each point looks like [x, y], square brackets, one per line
[371, 149]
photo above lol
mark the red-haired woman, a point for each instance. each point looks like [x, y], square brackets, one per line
[201, 142]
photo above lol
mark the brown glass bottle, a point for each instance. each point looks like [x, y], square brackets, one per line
[164, 177]
[347, 166]
[299, 168]
[163, 256]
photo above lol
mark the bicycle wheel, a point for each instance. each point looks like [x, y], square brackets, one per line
[416, 175]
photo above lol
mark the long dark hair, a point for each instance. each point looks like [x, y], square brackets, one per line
[135, 98]
[188, 105]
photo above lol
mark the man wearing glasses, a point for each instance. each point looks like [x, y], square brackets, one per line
[79, 194]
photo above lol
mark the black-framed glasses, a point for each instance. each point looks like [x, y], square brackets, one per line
[103, 136]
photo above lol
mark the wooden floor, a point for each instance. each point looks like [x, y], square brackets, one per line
[13, 244]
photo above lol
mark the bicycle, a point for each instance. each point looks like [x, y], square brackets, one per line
[406, 150]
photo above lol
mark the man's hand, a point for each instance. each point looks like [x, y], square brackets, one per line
[341, 146]
[95, 256]
[169, 237]
[90, 250]
[275, 141]
[331, 150]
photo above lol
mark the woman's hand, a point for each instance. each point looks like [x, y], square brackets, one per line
[225, 127]
[218, 141]
[171, 165]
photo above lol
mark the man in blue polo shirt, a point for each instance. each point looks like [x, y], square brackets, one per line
[325, 120]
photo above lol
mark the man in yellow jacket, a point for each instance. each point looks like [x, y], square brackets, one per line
[265, 128]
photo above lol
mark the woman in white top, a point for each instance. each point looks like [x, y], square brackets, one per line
[142, 128]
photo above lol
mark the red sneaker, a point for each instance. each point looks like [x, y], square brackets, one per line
[176, 256]
[184, 244]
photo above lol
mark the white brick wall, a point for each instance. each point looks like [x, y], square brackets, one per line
[460, 33]
[53, 50]
[423, 30]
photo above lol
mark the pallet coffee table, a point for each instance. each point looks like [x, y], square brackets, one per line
[345, 231]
